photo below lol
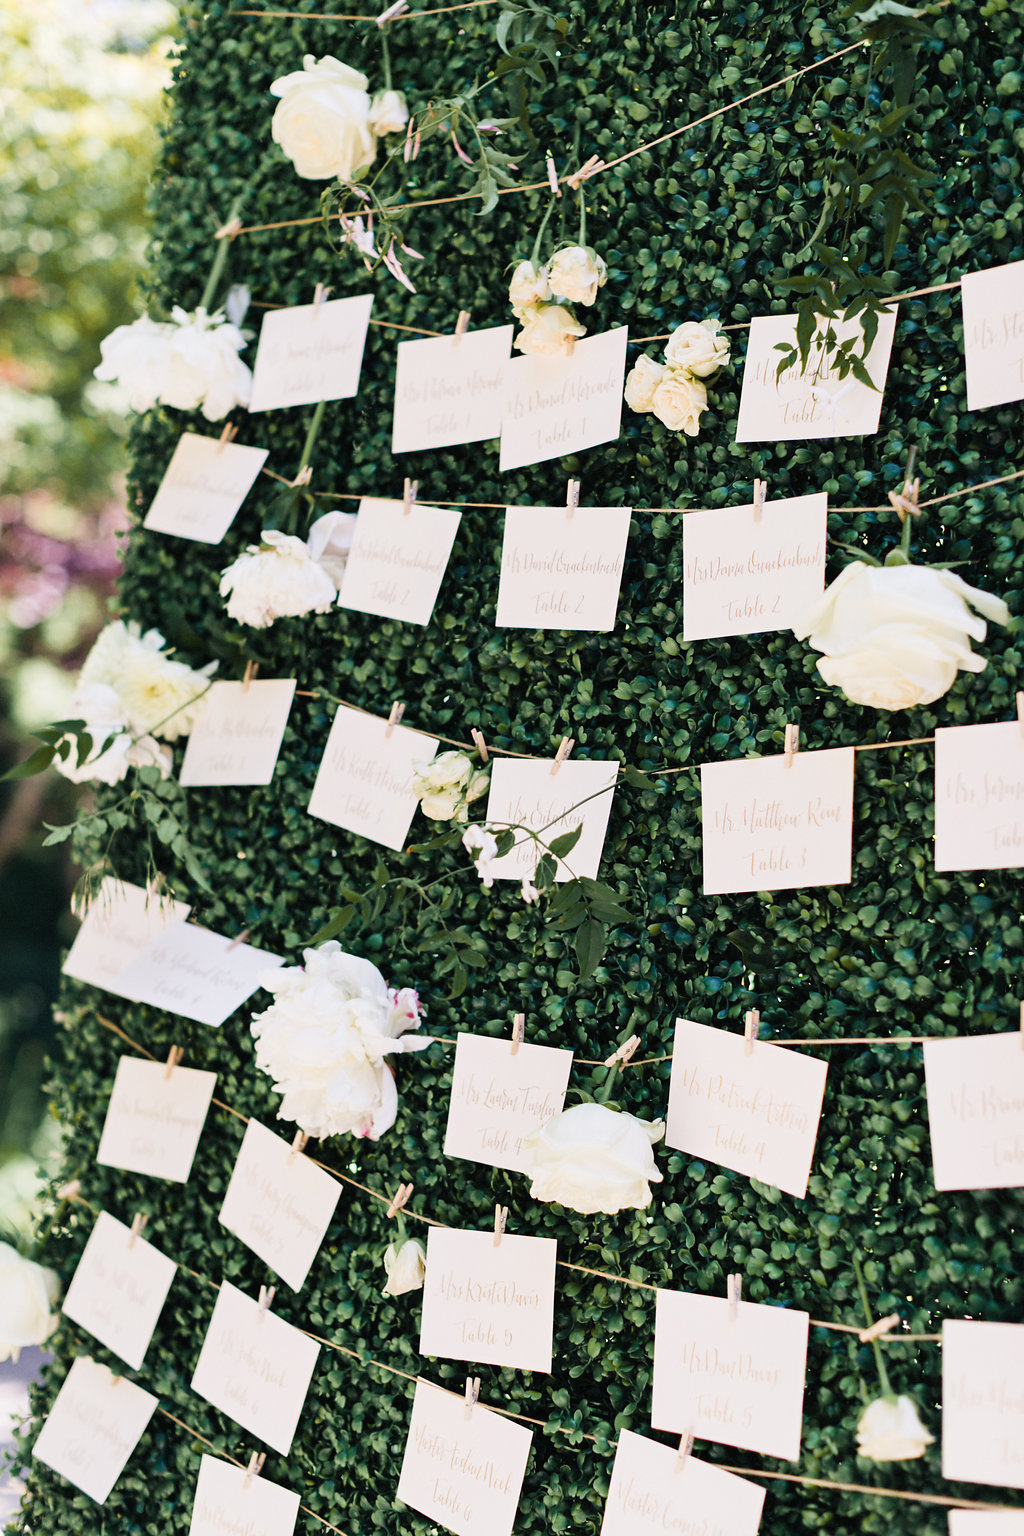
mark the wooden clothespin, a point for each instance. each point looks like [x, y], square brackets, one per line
[481, 745]
[73, 1188]
[229, 230]
[228, 435]
[792, 743]
[298, 1146]
[461, 325]
[138, 1227]
[884, 1325]
[267, 1294]
[565, 746]
[734, 1295]
[570, 345]
[905, 502]
[500, 1218]
[174, 1055]
[549, 162]
[572, 497]
[251, 669]
[589, 168]
[751, 1029]
[391, 12]
[303, 477]
[319, 295]
[760, 492]
[518, 1031]
[685, 1447]
[398, 1199]
[395, 715]
[472, 1394]
[625, 1052]
[240, 940]
[409, 496]
[254, 1468]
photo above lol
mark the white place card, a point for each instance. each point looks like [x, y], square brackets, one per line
[975, 1090]
[279, 1203]
[993, 310]
[555, 406]
[745, 574]
[756, 1113]
[237, 737]
[96, 1421]
[984, 1522]
[772, 828]
[738, 1380]
[118, 1290]
[398, 559]
[203, 487]
[198, 974]
[309, 353]
[450, 389]
[492, 1305]
[811, 402]
[651, 1494]
[526, 793]
[155, 1118]
[255, 1367]
[983, 1403]
[979, 796]
[465, 1474]
[365, 781]
[498, 1098]
[120, 923]
[561, 567]
[230, 1503]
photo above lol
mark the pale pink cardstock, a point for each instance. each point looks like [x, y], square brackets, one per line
[450, 389]
[984, 1522]
[499, 1096]
[651, 1493]
[119, 924]
[983, 1403]
[747, 570]
[464, 1472]
[228, 1502]
[559, 405]
[993, 311]
[979, 796]
[526, 793]
[198, 974]
[203, 487]
[155, 1118]
[118, 1289]
[494, 1305]
[975, 1087]
[279, 1203]
[238, 735]
[561, 567]
[96, 1421]
[809, 402]
[309, 353]
[365, 780]
[398, 559]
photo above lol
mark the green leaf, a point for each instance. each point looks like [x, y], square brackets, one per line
[566, 842]
[335, 924]
[39, 760]
[590, 947]
[57, 834]
[505, 840]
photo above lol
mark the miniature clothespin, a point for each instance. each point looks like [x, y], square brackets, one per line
[229, 230]
[398, 1199]
[319, 295]
[397, 711]
[589, 168]
[298, 1146]
[751, 1029]
[174, 1055]
[905, 502]
[254, 1468]
[70, 1191]
[500, 1218]
[518, 1031]
[565, 746]
[792, 743]
[884, 1325]
[760, 492]
[481, 745]
[549, 162]
[461, 325]
[409, 496]
[572, 497]
[251, 670]
[625, 1052]
[228, 435]
[570, 345]
[138, 1227]
[472, 1394]
[734, 1294]
[685, 1447]
[267, 1294]
[240, 940]
[391, 12]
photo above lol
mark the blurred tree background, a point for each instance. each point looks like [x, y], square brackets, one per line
[80, 104]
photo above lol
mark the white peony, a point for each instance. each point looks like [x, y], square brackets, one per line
[405, 1265]
[576, 273]
[99, 707]
[322, 121]
[528, 288]
[547, 329]
[699, 346]
[135, 356]
[276, 579]
[679, 401]
[896, 635]
[325, 1042]
[190, 362]
[388, 113]
[592, 1158]
[641, 382]
[156, 694]
[330, 542]
[446, 785]
[889, 1429]
[482, 846]
[28, 1294]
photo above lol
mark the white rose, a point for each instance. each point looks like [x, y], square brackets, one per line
[322, 121]
[405, 1266]
[889, 1429]
[641, 382]
[330, 542]
[203, 366]
[679, 401]
[576, 274]
[529, 287]
[276, 579]
[592, 1158]
[482, 847]
[99, 706]
[446, 785]
[28, 1294]
[699, 346]
[388, 113]
[547, 329]
[155, 693]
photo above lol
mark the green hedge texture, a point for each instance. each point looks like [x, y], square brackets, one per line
[706, 224]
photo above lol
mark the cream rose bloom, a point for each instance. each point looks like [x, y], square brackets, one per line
[405, 1265]
[446, 785]
[28, 1294]
[189, 363]
[576, 273]
[322, 121]
[592, 1158]
[641, 382]
[896, 635]
[528, 288]
[547, 329]
[276, 579]
[889, 1429]
[679, 401]
[388, 113]
[700, 346]
[156, 693]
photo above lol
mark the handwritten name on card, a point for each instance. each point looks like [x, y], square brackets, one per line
[738, 1380]
[745, 574]
[229, 1503]
[280, 1204]
[309, 353]
[364, 783]
[120, 923]
[757, 1113]
[118, 1289]
[95, 1424]
[809, 402]
[772, 828]
[398, 559]
[555, 406]
[975, 1089]
[237, 737]
[498, 1098]
[198, 974]
[450, 390]
[203, 487]
[993, 310]
[154, 1120]
[979, 796]
[492, 1305]
[255, 1367]
[650, 1494]
[528, 794]
[983, 1403]
[465, 1474]
[983, 1522]
[561, 568]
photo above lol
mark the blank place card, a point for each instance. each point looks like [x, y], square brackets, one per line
[983, 1403]
[975, 1089]
[118, 1289]
[96, 1421]
[309, 353]
[365, 780]
[499, 1095]
[255, 1367]
[464, 1471]
[155, 1118]
[120, 923]
[492, 1304]
[238, 735]
[993, 310]
[228, 1502]
[561, 567]
[279, 1203]
[203, 487]
[769, 827]
[747, 571]
[651, 1493]
[985, 1522]
[731, 1375]
[525, 793]
[979, 796]
[559, 405]
[809, 402]
[398, 559]
[198, 974]
[756, 1111]
[450, 389]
